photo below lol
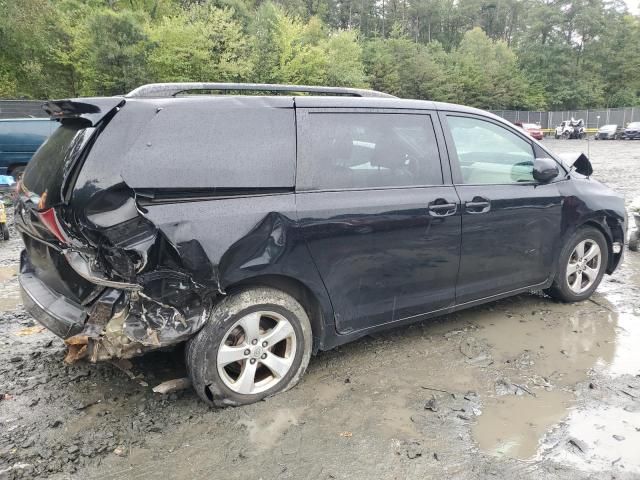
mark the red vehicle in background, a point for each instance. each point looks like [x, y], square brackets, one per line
[534, 130]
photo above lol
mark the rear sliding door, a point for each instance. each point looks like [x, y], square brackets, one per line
[380, 218]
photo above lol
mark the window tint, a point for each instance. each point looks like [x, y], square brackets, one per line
[489, 153]
[366, 150]
[225, 143]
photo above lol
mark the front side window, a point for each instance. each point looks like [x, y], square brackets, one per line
[489, 153]
[373, 150]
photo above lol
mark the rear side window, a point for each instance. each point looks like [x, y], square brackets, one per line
[373, 150]
[222, 144]
[46, 172]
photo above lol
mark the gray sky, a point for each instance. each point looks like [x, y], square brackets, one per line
[633, 6]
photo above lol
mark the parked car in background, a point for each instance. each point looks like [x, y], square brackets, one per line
[571, 129]
[534, 130]
[609, 132]
[632, 132]
[261, 229]
[19, 140]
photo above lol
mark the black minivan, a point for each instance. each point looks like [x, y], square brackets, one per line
[262, 223]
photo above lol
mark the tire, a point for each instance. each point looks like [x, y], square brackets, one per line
[561, 288]
[557, 136]
[230, 322]
[4, 232]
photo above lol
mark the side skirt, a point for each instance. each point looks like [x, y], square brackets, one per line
[332, 341]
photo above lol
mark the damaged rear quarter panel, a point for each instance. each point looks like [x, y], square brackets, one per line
[195, 249]
[243, 238]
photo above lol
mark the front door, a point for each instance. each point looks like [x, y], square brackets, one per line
[378, 219]
[511, 224]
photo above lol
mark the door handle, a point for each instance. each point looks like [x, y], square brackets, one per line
[442, 208]
[478, 205]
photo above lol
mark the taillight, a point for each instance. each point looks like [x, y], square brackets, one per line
[50, 220]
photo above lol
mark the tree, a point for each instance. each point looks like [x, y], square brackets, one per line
[111, 51]
[201, 43]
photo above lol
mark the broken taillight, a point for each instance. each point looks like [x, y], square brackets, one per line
[50, 220]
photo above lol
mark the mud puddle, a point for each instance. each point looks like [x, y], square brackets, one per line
[608, 436]
[7, 273]
[542, 352]
[9, 296]
[513, 425]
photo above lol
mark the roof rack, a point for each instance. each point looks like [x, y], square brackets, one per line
[173, 89]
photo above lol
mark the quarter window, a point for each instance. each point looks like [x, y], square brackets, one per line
[489, 153]
[367, 150]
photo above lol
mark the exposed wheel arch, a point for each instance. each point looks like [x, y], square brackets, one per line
[16, 169]
[297, 290]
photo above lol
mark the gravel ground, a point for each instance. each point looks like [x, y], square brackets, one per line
[521, 387]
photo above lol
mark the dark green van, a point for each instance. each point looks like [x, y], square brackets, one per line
[19, 140]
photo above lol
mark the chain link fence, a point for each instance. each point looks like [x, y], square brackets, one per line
[21, 109]
[592, 118]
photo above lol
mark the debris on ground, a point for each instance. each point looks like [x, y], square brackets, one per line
[579, 444]
[171, 386]
[30, 331]
[431, 404]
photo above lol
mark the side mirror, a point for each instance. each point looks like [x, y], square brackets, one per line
[545, 169]
[583, 166]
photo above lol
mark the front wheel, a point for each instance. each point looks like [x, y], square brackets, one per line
[256, 343]
[582, 264]
[4, 232]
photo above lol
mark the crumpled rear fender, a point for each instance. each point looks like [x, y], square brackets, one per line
[233, 240]
[184, 256]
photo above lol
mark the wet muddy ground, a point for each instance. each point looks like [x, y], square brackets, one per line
[521, 388]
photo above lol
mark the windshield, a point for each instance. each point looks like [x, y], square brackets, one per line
[608, 127]
[634, 125]
[532, 126]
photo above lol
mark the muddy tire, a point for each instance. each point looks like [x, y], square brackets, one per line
[582, 264]
[256, 343]
[4, 232]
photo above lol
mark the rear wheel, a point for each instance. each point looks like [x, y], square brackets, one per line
[256, 343]
[4, 231]
[582, 264]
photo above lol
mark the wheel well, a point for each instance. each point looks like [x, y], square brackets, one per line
[15, 166]
[297, 290]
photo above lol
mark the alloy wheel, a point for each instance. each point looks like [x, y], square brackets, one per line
[584, 266]
[257, 352]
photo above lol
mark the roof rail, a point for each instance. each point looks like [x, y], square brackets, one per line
[173, 89]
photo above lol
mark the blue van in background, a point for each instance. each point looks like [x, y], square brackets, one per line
[19, 140]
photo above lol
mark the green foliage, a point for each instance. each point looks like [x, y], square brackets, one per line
[201, 43]
[527, 54]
